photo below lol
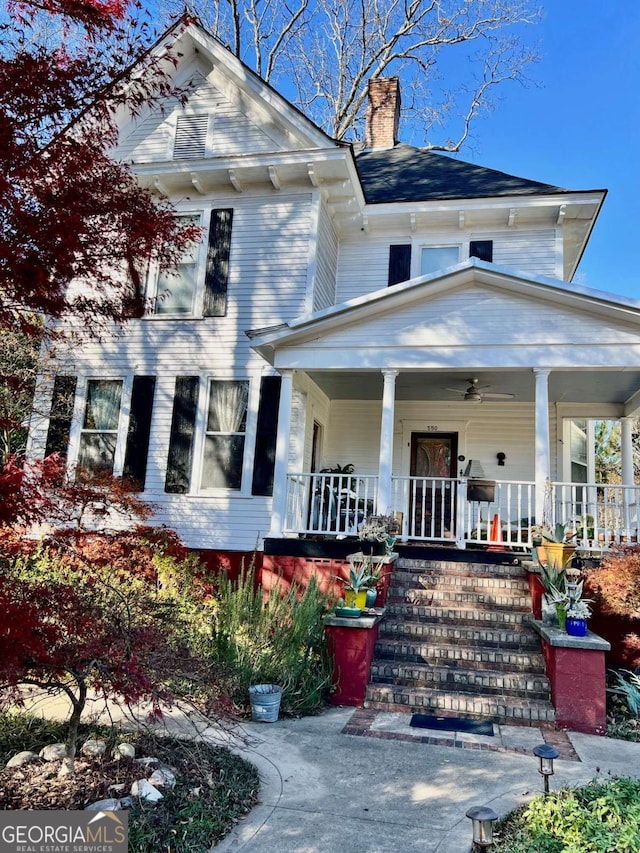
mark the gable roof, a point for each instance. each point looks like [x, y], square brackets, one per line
[405, 174]
[555, 296]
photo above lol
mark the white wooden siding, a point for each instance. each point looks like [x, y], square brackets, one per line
[479, 316]
[364, 263]
[326, 262]
[231, 131]
[353, 434]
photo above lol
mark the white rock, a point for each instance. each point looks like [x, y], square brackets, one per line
[145, 791]
[118, 788]
[125, 750]
[94, 748]
[162, 778]
[21, 758]
[148, 762]
[111, 805]
[53, 752]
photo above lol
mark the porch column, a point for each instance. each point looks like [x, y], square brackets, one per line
[383, 497]
[543, 451]
[279, 504]
[626, 451]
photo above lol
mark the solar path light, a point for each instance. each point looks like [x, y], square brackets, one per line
[546, 753]
[482, 819]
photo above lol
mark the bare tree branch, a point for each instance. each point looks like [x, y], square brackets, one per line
[451, 55]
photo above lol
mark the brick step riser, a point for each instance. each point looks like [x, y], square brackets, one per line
[454, 635]
[482, 570]
[456, 616]
[504, 694]
[453, 597]
[473, 634]
[466, 583]
[458, 656]
[454, 704]
[460, 680]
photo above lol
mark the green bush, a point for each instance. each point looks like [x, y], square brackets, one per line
[274, 639]
[602, 817]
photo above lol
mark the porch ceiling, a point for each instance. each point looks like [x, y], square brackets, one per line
[575, 386]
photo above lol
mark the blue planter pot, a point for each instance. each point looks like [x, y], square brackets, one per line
[576, 627]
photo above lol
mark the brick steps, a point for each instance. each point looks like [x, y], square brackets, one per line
[455, 640]
[453, 655]
[495, 709]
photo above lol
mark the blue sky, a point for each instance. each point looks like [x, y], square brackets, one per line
[580, 128]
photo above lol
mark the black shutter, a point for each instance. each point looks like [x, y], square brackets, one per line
[217, 273]
[183, 420]
[399, 264]
[267, 432]
[64, 392]
[137, 450]
[482, 249]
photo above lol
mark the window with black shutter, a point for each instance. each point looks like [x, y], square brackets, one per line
[267, 433]
[139, 431]
[399, 263]
[217, 272]
[482, 249]
[64, 392]
[183, 419]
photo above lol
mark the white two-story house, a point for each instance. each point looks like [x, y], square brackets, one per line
[376, 306]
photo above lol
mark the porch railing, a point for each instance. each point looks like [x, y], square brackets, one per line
[441, 510]
[329, 503]
[602, 515]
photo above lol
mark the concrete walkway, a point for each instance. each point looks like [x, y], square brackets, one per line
[357, 781]
[351, 781]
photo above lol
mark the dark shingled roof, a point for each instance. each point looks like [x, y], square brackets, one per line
[404, 173]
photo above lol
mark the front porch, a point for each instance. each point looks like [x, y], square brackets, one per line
[461, 511]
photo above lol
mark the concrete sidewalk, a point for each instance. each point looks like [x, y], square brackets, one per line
[353, 781]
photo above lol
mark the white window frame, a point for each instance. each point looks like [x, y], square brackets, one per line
[79, 409]
[440, 245]
[200, 215]
[249, 435]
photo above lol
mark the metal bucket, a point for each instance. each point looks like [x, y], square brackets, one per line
[265, 702]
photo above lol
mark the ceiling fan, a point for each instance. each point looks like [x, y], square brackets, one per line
[476, 393]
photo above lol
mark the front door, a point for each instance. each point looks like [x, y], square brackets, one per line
[434, 459]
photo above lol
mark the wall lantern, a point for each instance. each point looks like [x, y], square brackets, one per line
[501, 457]
[546, 753]
[482, 819]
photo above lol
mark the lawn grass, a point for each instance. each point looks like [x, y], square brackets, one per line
[214, 787]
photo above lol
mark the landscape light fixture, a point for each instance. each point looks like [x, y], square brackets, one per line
[546, 753]
[482, 820]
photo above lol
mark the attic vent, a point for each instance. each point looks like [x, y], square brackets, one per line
[191, 137]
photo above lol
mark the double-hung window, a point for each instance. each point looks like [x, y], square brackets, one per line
[176, 288]
[435, 258]
[99, 434]
[225, 432]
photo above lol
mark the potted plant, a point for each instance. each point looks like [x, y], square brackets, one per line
[361, 578]
[577, 614]
[378, 534]
[558, 547]
[555, 598]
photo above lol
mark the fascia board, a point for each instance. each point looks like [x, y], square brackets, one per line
[238, 161]
[595, 197]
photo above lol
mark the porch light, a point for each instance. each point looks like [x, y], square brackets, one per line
[482, 820]
[546, 753]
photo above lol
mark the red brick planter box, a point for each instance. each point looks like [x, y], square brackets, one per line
[351, 643]
[576, 672]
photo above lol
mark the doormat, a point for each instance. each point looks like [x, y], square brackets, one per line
[451, 724]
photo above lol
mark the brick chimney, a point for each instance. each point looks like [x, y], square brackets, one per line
[383, 113]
